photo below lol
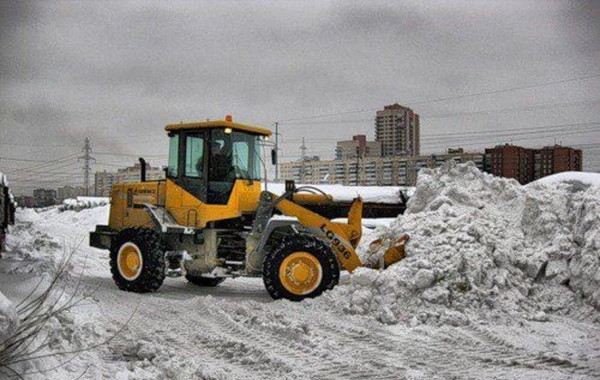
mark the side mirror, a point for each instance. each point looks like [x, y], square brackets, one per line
[273, 156]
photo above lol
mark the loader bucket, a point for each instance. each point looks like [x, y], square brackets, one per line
[394, 251]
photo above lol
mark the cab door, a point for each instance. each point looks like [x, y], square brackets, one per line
[195, 169]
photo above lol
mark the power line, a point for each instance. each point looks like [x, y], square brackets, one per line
[478, 138]
[131, 155]
[435, 100]
[468, 134]
[20, 159]
[457, 114]
[44, 165]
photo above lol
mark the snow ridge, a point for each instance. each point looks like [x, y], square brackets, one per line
[485, 247]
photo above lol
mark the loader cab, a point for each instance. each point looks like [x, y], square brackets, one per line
[206, 159]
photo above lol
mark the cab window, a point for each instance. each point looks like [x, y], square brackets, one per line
[246, 156]
[173, 155]
[194, 156]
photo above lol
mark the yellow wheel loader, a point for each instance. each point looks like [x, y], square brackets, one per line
[209, 219]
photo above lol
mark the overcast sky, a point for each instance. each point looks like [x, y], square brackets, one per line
[117, 72]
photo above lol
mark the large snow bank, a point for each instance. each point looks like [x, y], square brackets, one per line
[371, 194]
[484, 245]
[44, 238]
[581, 177]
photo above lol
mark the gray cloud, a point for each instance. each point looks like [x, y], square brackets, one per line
[112, 69]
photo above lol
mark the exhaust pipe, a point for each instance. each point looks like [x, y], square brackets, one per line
[143, 169]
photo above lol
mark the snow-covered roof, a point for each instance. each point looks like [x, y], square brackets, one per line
[375, 194]
[583, 177]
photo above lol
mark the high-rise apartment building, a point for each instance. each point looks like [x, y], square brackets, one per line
[398, 130]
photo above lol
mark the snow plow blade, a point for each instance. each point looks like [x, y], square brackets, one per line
[394, 251]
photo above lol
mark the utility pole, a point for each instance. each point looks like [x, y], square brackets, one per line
[87, 170]
[357, 163]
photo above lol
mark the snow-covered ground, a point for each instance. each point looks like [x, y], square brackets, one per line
[501, 282]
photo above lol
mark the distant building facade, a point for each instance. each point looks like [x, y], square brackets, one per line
[103, 181]
[397, 128]
[67, 192]
[556, 159]
[26, 201]
[45, 197]
[510, 161]
[526, 165]
[375, 171]
[357, 147]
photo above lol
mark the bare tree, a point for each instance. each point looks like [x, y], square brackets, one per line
[30, 339]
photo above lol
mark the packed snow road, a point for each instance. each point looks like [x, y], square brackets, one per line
[481, 295]
[182, 332]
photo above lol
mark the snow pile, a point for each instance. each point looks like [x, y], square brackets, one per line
[483, 246]
[571, 177]
[81, 203]
[43, 239]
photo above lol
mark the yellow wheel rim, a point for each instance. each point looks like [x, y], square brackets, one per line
[300, 273]
[130, 261]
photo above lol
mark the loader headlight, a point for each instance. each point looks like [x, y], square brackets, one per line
[228, 130]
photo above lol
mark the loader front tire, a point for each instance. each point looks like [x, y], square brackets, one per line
[137, 260]
[299, 267]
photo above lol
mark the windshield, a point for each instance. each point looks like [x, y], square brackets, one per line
[245, 149]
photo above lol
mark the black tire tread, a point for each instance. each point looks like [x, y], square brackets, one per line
[294, 243]
[153, 269]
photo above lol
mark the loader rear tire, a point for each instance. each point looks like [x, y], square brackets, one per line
[137, 260]
[204, 281]
[299, 267]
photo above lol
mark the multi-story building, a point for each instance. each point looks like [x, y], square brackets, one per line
[373, 171]
[398, 130]
[26, 201]
[526, 165]
[44, 197]
[67, 192]
[105, 180]
[556, 159]
[133, 174]
[510, 161]
[357, 147]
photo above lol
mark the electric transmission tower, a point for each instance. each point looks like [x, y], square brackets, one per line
[303, 159]
[303, 149]
[87, 160]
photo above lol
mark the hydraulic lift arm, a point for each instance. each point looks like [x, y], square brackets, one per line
[342, 237]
